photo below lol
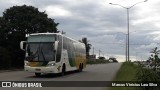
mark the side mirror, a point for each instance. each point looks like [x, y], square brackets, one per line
[23, 45]
[56, 45]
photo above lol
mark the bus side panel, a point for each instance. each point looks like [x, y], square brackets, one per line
[80, 55]
[75, 52]
[68, 45]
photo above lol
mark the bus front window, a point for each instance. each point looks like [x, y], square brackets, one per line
[40, 52]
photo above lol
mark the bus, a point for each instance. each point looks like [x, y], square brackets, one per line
[52, 53]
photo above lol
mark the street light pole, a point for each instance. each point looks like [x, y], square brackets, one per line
[128, 8]
[126, 36]
[126, 47]
[128, 31]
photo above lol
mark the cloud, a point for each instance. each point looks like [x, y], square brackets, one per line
[99, 22]
[54, 11]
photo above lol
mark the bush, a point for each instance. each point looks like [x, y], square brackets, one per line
[145, 75]
[5, 59]
[97, 61]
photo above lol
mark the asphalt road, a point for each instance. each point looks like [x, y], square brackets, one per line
[99, 72]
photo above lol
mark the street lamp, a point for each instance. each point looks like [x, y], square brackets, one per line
[128, 8]
[126, 44]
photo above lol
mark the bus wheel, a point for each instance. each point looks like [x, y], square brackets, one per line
[63, 70]
[38, 74]
[80, 67]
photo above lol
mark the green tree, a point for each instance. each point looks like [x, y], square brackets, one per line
[155, 57]
[5, 59]
[101, 58]
[87, 45]
[18, 21]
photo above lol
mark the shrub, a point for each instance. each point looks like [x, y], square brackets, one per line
[5, 59]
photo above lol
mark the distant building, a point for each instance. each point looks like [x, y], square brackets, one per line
[92, 57]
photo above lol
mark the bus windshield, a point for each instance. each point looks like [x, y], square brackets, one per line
[40, 51]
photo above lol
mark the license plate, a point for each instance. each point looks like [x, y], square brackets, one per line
[38, 69]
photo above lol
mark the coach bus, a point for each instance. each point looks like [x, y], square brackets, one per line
[52, 53]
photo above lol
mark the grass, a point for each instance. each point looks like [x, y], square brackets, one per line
[131, 72]
[127, 72]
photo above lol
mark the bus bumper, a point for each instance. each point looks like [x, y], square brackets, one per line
[52, 69]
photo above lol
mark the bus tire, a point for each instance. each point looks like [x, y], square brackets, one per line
[63, 70]
[80, 67]
[38, 74]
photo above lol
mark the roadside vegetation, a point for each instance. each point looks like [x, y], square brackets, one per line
[100, 60]
[97, 61]
[127, 72]
[135, 72]
[15, 23]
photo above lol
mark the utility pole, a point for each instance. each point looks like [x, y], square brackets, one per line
[128, 30]
[126, 48]
[128, 8]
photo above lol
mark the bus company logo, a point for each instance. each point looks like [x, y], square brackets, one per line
[6, 84]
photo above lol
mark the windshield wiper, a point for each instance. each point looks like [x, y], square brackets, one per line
[38, 54]
[43, 54]
[31, 57]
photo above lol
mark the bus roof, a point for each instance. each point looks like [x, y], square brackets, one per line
[56, 34]
[46, 34]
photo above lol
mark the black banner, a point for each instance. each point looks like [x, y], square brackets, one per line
[78, 84]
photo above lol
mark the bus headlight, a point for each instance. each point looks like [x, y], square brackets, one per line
[51, 64]
[26, 63]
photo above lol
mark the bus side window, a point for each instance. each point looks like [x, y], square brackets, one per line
[58, 56]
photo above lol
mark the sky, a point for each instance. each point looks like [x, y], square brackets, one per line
[104, 25]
